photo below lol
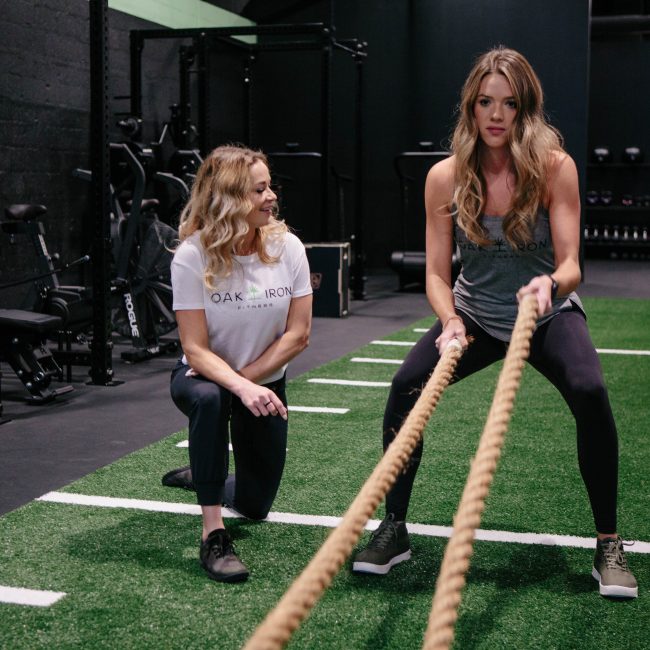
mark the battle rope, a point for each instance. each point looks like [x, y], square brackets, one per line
[277, 628]
[451, 579]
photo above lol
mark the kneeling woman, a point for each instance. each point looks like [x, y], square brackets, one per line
[242, 297]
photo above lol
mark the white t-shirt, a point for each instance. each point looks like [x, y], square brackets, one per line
[247, 311]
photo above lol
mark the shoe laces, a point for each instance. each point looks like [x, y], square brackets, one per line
[221, 546]
[384, 535]
[614, 554]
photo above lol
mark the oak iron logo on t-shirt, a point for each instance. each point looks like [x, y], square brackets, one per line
[253, 297]
[500, 248]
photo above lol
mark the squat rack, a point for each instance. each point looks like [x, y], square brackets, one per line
[308, 36]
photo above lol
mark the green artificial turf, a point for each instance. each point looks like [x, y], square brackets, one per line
[133, 580]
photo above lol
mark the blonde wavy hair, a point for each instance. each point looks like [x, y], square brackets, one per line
[218, 206]
[532, 143]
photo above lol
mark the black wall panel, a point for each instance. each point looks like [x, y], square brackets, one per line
[45, 119]
[418, 55]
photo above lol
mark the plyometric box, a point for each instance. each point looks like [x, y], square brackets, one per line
[329, 265]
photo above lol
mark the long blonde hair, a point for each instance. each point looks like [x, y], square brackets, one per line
[532, 143]
[218, 207]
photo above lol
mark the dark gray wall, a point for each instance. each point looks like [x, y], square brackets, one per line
[419, 54]
[418, 57]
[44, 119]
[444, 38]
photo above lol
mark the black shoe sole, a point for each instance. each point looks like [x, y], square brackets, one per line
[235, 577]
[180, 478]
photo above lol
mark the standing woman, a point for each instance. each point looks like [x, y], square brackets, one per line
[509, 196]
[242, 297]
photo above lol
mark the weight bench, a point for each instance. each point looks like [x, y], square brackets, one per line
[23, 346]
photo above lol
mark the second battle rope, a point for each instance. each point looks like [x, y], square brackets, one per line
[451, 579]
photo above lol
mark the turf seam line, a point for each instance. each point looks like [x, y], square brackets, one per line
[349, 382]
[318, 409]
[374, 360]
[426, 530]
[33, 597]
[644, 353]
[599, 350]
[400, 361]
[186, 443]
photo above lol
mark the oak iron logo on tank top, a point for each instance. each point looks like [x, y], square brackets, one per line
[252, 298]
[500, 247]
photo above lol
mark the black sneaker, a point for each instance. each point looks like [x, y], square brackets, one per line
[181, 477]
[610, 569]
[219, 559]
[388, 546]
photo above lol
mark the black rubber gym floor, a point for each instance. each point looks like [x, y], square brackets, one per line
[46, 447]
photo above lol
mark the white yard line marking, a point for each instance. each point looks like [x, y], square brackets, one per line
[427, 530]
[407, 344]
[643, 353]
[317, 409]
[35, 597]
[186, 443]
[398, 362]
[131, 504]
[350, 382]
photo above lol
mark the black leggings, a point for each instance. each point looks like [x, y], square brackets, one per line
[259, 445]
[562, 351]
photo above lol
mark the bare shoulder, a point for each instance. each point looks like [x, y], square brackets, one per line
[563, 186]
[440, 178]
[561, 165]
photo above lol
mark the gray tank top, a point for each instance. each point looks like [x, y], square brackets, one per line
[486, 289]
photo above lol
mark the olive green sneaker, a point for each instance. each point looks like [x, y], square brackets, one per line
[388, 546]
[610, 569]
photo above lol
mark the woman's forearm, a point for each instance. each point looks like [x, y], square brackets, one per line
[279, 353]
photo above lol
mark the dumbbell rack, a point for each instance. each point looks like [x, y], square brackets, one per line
[620, 227]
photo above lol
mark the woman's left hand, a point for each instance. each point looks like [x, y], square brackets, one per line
[540, 287]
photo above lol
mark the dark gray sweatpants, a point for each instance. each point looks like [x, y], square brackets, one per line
[259, 444]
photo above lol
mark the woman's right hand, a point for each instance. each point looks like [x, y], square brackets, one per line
[453, 328]
[260, 400]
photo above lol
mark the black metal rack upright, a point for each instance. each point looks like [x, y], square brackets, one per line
[305, 37]
[101, 368]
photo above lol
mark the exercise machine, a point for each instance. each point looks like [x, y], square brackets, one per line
[141, 246]
[23, 345]
[410, 262]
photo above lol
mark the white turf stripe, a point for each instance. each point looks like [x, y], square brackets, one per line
[186, 443]
[35, 597]
[398, 362]
[406, 344]
[643, 353]
[313, 409]
[331, 522]
[349, 382]
[317, 409]
[131, 504]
